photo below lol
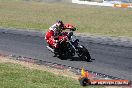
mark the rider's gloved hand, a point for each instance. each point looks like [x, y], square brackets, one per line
[73, 29]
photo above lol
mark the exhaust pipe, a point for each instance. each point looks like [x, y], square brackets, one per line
[50, 49]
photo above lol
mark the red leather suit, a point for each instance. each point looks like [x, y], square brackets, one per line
[53, 32]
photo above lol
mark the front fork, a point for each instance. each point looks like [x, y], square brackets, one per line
[75, 48]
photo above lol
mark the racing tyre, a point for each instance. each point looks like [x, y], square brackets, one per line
[83, 53]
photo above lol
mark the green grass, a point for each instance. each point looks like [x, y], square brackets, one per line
[88, 19]
[17, 76]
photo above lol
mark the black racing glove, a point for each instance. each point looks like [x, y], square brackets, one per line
[73, 29]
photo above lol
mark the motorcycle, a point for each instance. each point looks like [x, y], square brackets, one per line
[71, 47]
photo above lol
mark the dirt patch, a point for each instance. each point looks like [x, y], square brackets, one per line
[65, 72]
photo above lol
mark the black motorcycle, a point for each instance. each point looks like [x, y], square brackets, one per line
[72, 47]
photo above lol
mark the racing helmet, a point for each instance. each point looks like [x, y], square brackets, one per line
[61, 23]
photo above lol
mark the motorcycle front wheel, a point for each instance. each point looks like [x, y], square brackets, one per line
[83, 53]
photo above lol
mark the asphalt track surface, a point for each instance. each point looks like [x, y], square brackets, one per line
[109, 59]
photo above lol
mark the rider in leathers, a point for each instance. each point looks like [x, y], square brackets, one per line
[54, 35]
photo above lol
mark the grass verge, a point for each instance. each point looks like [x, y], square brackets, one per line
[14, 75]
[88, 19]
